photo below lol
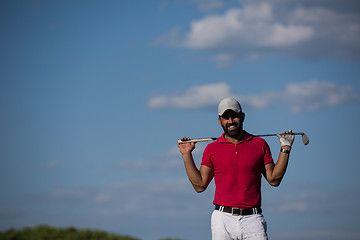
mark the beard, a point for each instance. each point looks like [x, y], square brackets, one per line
[233, 129]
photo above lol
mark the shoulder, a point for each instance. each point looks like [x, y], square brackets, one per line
[214, 146]
[254, 139]
[258, 141]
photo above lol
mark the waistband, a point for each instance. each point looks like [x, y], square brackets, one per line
[238, 211]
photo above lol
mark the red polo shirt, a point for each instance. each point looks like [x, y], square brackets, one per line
[237, 170]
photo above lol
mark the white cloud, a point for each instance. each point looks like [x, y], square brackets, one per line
[281, 28]
[314, 95]
[193, 98]
[237, 27]
[280, 35]
[103, 197]
[305, 96]
[52, 164]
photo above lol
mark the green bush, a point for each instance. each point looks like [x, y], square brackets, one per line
[44, 232]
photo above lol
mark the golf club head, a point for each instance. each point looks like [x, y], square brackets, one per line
[305, 139]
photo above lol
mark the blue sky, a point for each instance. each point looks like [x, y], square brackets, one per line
[94, 95]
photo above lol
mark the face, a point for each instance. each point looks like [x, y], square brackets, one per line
[232, 122]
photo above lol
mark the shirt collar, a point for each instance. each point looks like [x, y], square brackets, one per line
[247, 137]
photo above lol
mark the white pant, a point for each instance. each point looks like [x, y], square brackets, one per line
[225, 226]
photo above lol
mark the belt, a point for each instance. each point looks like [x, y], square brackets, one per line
[238, 211]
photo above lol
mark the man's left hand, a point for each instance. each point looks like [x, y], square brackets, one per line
[286, 139]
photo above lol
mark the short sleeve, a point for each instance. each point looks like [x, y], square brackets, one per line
[267, 154]
[206, 159]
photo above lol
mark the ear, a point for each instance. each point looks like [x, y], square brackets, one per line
[242, 117]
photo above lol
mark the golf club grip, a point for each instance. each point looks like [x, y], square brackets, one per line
[197, 140]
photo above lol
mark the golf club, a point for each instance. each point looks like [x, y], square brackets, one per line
[305, 138]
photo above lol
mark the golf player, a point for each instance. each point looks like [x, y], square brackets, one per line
[237, 160]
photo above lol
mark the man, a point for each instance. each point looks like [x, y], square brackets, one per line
[237, 160]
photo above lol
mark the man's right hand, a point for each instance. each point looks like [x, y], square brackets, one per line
[186, 147]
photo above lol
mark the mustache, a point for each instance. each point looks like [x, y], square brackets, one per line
[235, 124]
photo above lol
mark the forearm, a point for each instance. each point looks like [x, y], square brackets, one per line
[193, 173]
[280, 167]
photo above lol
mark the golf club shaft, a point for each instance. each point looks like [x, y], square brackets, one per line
[275, 134]
[304, 138]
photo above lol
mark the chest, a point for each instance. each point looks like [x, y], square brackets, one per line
[240, 158]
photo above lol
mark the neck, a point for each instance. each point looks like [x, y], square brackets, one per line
[236, 138]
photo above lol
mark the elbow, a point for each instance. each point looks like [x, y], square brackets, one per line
[199, 189]
[275, 182]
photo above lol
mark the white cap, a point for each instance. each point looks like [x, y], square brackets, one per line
[229, 103]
